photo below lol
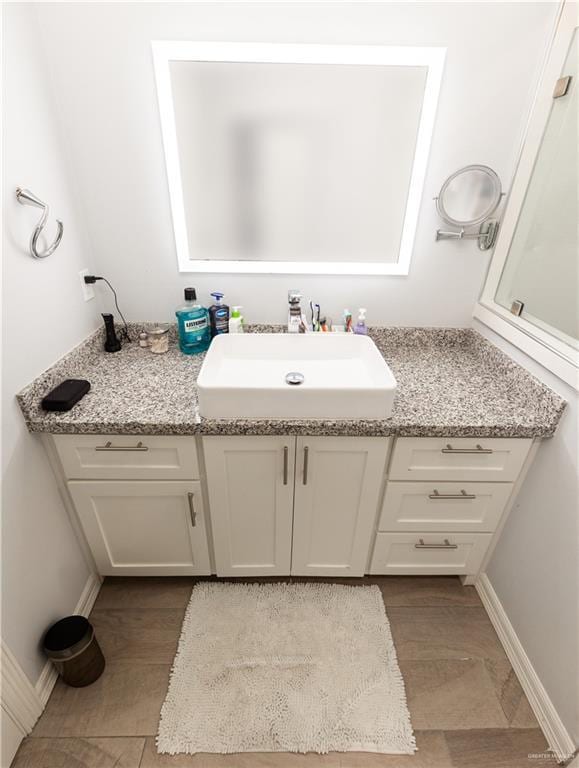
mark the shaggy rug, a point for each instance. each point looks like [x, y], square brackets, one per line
[285, 668]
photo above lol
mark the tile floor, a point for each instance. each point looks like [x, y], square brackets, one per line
[466, 705]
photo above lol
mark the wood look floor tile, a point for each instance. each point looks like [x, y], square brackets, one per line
[145, 593]
[79, 753]
[241, 760]
[138, 636]
[444, 632]
[505, 748]
[432, 753]
[125, 701]
[451, 694]
[510, 694]
[426, 590]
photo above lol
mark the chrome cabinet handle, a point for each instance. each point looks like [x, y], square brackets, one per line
[108, 446]
[306, 460]
[446, 545]
[479, 449]
[192, 513]
[462, 495]
[285, 464]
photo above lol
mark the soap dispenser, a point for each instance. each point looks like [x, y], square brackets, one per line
[361, 328]
[218, 315]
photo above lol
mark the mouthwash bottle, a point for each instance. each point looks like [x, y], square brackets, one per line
[193, 325]
[218, 316]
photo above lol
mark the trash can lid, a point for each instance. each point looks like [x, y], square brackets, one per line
[66, 634]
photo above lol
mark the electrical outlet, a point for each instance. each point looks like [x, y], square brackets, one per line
[87, 290]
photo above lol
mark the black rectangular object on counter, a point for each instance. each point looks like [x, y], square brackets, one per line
[65, 395]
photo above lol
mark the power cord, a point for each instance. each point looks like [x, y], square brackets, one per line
[91, 280]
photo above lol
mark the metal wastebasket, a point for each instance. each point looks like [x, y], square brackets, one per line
[72, 647]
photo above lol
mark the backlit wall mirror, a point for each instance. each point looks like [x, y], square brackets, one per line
[296, 158]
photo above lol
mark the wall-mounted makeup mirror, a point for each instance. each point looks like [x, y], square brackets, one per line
[468, 198]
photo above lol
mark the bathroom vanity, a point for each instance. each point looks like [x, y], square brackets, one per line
[155, 489]
[279, 505]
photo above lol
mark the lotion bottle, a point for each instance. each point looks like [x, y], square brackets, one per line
[236, 320]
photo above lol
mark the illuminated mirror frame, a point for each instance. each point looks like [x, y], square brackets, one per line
[282, 53]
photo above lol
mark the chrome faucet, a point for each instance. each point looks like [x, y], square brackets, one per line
[296, 322]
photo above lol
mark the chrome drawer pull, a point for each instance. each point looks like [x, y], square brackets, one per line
[192, 513]
[462, 495]
[479, 449]
[446, 545]
[306, 459]
[108, 446]
[285, 464]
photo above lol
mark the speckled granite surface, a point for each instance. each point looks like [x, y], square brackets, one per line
[450, 382]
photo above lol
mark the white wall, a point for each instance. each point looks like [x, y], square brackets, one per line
[43, 570]
[101, 61]
[535, 566]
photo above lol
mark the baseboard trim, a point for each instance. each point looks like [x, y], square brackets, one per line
[89, 595]
[19, 697]
[49, 675]
[551, 724]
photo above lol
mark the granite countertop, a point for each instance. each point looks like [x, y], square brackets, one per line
[450, 382]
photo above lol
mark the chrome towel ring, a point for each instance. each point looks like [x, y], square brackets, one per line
[25, 197]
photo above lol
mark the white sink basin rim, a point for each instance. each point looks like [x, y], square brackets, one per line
[295, 376]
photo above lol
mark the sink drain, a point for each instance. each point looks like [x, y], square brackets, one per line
[294, 378]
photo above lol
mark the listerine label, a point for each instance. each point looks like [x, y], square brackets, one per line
[194, 326]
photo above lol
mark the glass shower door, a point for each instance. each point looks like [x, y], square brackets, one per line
[540, 280]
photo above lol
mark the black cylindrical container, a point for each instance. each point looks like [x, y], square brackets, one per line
[112, 343]
[72, 647]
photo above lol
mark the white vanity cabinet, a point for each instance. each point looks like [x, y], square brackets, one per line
[337, 489]
[283, 505]
[444, 502]
[138, 528]
[139, 500]
[250, 482]
[324, 488]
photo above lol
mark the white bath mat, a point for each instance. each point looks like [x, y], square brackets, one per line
[285, 668]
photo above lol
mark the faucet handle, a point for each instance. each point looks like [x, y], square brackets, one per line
[294, 297]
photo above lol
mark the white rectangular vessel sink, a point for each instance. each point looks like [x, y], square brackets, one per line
[295, 376]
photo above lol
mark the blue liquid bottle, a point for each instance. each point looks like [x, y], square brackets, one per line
[193, 325]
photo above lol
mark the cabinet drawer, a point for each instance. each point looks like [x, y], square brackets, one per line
[437, 506]
[449, 458]
[127, 457]
[429, 553]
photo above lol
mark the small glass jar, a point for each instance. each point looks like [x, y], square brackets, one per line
[159, 340]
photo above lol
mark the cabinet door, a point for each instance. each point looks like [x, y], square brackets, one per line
[338, 483]
[250, 482]
[143, 528]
